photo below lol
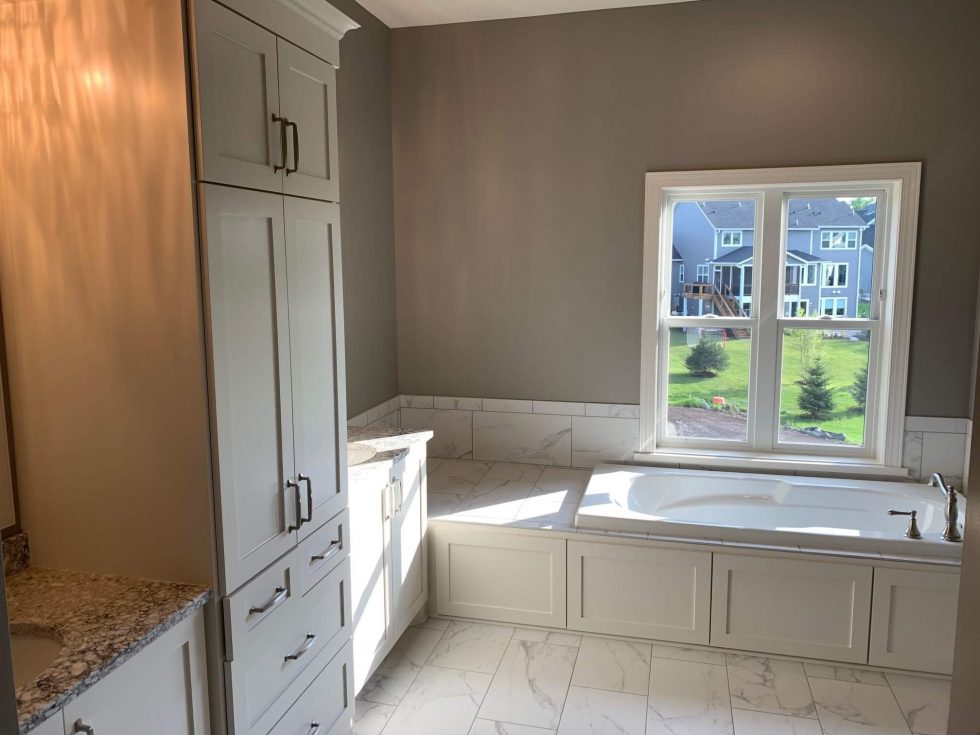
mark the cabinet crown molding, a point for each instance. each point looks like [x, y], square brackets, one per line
[323, 15]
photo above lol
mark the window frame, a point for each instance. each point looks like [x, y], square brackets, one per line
[897, 185]
[837, 284]
[680, 273]
[847, 239]
[706, 274]
[721, 238]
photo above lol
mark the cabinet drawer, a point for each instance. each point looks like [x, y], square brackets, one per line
[322, 551]
[269, 597]
[326, 704]
[270, 657]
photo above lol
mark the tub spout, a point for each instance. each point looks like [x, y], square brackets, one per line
[952, 532]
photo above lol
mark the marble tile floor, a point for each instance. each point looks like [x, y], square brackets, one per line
[453, 677]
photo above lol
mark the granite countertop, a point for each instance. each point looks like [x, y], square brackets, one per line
[390, 444]
[102, 621]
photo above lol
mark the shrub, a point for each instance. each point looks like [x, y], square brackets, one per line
[816, 400]
[706, 360]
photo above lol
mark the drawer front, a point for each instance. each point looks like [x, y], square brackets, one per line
[262, 603]
[327, 704]
[324, 550]
[273, 656]
[791, 606]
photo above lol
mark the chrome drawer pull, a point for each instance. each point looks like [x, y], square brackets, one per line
[331, 550]
[83, 728]
[277, 599]
[307, 645]
[314, 728]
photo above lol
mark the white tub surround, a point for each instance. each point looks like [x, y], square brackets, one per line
[504, 547]
[844, 515]
[469, 427]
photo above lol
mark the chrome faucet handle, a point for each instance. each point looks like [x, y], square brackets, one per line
[913, 530]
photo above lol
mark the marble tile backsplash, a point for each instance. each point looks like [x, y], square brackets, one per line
[578, 434]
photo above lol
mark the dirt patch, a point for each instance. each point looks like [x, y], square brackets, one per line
[707, 423]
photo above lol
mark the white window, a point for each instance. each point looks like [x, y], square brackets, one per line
[833, 307]
[702, 273]
[838, 239]
[737, 389]
[680, 273]
[835, 275]
[731, 238]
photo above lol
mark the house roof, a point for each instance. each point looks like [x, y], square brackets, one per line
[744, 253]
[677, 254]
[813, 213]
[803, 214]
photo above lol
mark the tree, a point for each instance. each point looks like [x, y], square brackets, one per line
[809, 343]
[816, 400]
[861, 203]
[706, 360]
[859, 390]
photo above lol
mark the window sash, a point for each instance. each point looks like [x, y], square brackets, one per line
[892, 184]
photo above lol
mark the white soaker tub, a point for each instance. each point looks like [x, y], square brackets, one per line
[782, 510]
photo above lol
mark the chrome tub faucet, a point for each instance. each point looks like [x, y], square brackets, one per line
[952, 532]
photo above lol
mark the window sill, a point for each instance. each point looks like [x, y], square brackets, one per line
[785, 463]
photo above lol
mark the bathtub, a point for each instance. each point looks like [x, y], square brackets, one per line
[778, 510]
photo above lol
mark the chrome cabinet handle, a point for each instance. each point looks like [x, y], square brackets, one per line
[299, 505]
[330, 551]
[314, 728]
[80, 726]
[307, 645]
[295, 127]
[309, 496]
[284, 151]
[277, 599]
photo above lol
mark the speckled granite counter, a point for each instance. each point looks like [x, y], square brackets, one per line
[390, 444]
[101, 621]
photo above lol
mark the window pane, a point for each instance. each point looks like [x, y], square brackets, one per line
[713, 242]
[830, 255]
[708, 383]
[824, 384]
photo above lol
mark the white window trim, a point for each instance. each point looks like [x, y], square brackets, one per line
[705, 273]
[807, 269]
[835, 299]
[894, 278]
[721, 238]
[836, 267]
[680, 273]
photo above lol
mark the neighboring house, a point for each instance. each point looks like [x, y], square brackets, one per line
[870, 215]
[828, 259]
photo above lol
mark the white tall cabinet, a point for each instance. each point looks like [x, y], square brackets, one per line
[266, 114]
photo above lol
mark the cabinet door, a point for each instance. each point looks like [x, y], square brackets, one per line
[913, 619]
[308, 97]
[369, 570]
[162, 690]
[238, 95]
[315, 337]
[408, 552]
[249, 335]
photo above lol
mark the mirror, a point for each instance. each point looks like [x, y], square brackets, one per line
[8, 490]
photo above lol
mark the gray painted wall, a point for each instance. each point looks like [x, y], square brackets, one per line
[520, 148]
[364, 104]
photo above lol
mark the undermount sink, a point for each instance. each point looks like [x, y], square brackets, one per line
[359, 454]
[33, 652]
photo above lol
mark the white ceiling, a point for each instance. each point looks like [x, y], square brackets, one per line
[402, 13]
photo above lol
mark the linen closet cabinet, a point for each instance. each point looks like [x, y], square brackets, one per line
[268, 195]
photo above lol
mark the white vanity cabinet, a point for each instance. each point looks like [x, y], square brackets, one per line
[162, 690]
[268, 109]
[389, 576]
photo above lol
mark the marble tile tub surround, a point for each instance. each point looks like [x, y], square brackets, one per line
[456, 677]
[573, 434]
[101, 621]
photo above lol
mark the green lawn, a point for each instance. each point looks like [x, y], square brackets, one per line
[842, 358]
